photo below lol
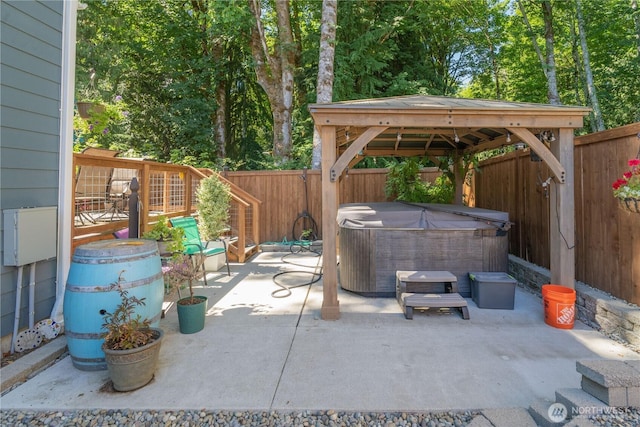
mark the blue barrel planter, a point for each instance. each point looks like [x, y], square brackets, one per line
[95, 267]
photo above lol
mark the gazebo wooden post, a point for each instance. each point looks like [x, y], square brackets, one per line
[330, 305]
[458, 173]
[561, 215]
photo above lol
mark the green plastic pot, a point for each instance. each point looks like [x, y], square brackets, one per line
[191, 316]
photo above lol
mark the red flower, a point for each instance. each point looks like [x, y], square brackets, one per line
[627, 175]
[619, 183]
[634, 162]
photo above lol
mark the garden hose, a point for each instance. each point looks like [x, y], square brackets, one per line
[297, 248]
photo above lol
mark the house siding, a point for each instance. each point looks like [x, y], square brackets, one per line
[30, 92]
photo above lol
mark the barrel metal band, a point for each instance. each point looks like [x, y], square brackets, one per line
[114, 260]
[107, 288]
[88, 360]
[99, 335]
[85, 335]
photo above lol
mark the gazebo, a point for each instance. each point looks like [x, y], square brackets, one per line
[437, 126]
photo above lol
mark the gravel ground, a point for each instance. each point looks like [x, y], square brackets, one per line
[135, 418]
[229, 418]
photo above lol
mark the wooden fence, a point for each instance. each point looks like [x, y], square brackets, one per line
[607, 237]
[284, 196]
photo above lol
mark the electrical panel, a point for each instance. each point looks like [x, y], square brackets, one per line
[30, 235]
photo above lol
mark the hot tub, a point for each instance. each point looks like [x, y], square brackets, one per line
[377, 239]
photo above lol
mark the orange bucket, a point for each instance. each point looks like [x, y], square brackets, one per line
[559, 306]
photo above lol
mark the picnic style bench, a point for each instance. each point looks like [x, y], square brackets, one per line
[414, 289]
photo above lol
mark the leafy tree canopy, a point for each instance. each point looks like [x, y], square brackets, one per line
[186, 73]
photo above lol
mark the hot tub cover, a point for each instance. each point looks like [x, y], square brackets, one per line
[419, 216]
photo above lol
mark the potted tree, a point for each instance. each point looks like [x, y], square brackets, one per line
[170, 239]
[131, 347]
[191, 309]
[214, 200]
[213, 203]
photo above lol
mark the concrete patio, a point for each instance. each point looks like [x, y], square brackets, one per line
[258, 352]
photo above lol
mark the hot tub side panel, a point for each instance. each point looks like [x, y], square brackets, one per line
[356, 266]
[495, 251]
[457, 251]
[369, 258]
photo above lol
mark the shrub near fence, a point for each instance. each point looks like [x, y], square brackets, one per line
[607, 238]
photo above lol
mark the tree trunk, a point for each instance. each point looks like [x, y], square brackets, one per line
[324, 88]
[221, 121]
[587, 69]
[274, 71]
[579, 87]
[534, 41]
[552, 82]
[636, 20]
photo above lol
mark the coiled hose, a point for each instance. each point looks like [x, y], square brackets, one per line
[297, 248]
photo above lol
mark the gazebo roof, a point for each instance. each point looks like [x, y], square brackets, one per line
[419, 125]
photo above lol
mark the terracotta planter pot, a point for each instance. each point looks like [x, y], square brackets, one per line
[132, 369]
[86, 108]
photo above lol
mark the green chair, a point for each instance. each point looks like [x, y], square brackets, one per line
[194, 246]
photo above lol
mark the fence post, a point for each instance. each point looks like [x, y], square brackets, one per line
[134, 212]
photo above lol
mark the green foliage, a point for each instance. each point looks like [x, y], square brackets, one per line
[404, 183]
[181, 268]
[171, 60]
[213, 202]
[441, 191]
[163, 232]
[126, 329]
[106, 127]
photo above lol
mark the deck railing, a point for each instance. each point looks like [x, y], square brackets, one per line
[101, 200]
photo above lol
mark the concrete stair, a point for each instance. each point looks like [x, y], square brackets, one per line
[605, 384]
[509, 417]
[615, 382]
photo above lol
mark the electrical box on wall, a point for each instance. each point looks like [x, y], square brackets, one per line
[29, 235]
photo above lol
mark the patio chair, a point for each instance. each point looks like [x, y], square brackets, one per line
[92, 187]
[194, 246]
[117, 199]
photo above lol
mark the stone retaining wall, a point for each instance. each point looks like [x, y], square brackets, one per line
[596, 308]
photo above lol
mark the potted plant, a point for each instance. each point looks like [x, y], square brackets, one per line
[131, 347]
[170, 239]
[191, 309]
[627, 188]
[100, 123]
[88, 108]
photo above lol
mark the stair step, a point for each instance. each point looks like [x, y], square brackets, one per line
[612, 396]
[540, 410]
[480, 421]
[580, 422]
[508, 417]
[611, 373]
[580, 403]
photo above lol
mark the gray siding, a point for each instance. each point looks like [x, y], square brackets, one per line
[30, 88]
